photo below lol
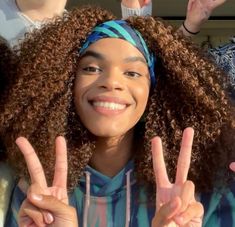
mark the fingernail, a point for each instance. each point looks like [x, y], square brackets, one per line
[36, 197]
[49, 218]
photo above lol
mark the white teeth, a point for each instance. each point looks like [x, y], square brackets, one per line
[110, 105]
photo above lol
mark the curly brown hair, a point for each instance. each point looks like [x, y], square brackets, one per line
[8, 64]
[7, 58]
[190, 91]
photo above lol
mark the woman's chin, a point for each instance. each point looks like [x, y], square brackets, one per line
[108, 132]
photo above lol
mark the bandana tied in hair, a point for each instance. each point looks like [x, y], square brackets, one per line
[120, 29]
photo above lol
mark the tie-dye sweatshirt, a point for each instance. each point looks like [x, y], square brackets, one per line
[110, 202]
[120, 201]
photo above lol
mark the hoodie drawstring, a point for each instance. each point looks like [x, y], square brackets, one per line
[87, 200]
[128, 198]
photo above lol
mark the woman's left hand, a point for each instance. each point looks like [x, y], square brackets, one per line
[175, 203]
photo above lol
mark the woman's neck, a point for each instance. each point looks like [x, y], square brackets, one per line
[112, 154]
[39, 10]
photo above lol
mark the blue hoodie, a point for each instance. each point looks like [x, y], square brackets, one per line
[102, 201]
[120, 201]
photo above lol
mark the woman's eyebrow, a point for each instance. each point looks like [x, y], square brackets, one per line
[93, 54]
[99, 56]
[135, 59]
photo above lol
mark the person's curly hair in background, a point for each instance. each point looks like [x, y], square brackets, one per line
[7, 75]
[190, 91]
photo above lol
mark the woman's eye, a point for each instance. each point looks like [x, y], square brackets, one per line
[91, 69]
[133, 74]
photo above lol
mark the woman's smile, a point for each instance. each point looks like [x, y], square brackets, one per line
[109, 106]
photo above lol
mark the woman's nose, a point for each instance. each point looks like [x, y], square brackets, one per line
[112, 79]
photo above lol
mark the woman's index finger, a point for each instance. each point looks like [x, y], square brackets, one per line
[33, 163]
[159, 163]
[184, 156]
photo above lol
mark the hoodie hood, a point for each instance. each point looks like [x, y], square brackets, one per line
[118, 201]
[103, 186]
[99, 185]
[102, 195]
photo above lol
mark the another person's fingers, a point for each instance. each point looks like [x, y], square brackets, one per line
[190, 4]
[217, 3]
[146, 2]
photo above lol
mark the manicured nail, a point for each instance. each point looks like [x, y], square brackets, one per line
[49, 218]
[36, 197]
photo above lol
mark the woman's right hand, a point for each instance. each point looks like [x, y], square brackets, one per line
[46, 206]
[46, 210]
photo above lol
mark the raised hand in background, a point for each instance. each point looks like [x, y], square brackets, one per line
[198, 12]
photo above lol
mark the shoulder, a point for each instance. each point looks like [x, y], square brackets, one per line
[12, 24]
[219, 207]
[8, 10]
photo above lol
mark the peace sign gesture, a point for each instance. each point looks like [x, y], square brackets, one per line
[46, 205]
[175, 203]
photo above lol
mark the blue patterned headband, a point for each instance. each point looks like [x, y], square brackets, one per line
[120, 29]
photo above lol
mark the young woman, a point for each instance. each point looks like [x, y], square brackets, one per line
[109, 87]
